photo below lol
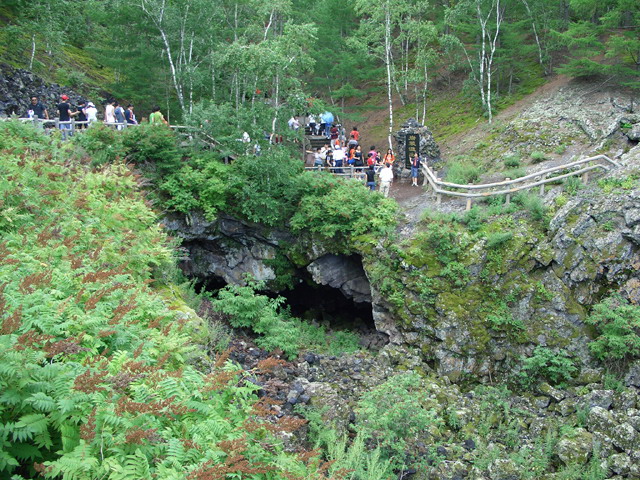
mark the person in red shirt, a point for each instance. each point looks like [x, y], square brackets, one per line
[355, 134]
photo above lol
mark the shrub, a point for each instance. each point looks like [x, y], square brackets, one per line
[152, 145]
[497, 239]
[533, 204]
[513, 173]
[392, 416]
[462, 173]
[537, 157]
[512, 161]
[266, 189]
[199, 186]
[102, 143]
[572, 185]
[344, 213]
[555, 367]
[618, 325]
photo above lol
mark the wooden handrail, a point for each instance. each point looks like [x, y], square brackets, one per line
[437, 184]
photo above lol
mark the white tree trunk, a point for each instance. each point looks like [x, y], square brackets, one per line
[387, 56]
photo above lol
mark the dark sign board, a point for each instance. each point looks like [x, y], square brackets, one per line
[412, 145]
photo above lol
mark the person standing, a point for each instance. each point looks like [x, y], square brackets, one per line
[65, 114]
[37, 109]
[156, 117]
[327, 119]
[129, 116]
[109, 112]
[371, 178]
[415, 170]
[82, 116]
[119, 113]
[355, 134]
[312, 124]
[389, 157]
[92, 113]
[386, 177]
[333, 133]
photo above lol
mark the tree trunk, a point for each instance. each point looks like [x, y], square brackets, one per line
[387, 51]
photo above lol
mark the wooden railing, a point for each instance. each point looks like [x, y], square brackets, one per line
[508, 187]
[347, 172]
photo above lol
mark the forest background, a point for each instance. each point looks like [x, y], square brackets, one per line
[236, 65]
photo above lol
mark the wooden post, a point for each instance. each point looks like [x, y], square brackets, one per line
[542, 186]
[585, 177]
[353, 171]
[469, 199]
[438, 194]
[507, 200]
[57, 123]
[73, 125]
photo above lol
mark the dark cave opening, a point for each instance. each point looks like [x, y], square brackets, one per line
[322, 305]
[328, 306]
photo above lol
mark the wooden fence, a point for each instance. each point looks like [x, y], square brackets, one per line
[508, 187]
[346, 172]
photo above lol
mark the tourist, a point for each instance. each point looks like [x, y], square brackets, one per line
[333, 134]
[415, 170]
[327, 119]
[109, 112]
[312, 124]
[358, 157]
[355, 134]
[156, 117]
[374, 154]
[91, 112]
[353, 142]
[371, 178]
[65, 114]
[129, 116]
[389, 157]
[119, 114]
[386, 177]
[338, 158]
[37, 109]
[82, 116]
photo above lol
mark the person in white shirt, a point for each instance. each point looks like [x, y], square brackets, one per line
[386, 177]
[92, 112]
[109, 113]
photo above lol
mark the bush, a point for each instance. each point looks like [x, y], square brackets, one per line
[102, 143]
[533, 204]
[344, 213]
[512, 161]
[462, 173]
[152, 145]
[618, 324]
[498, 239]
[555, 367]
[392, 416]
[572, 185]
[537, 157]
[266, 189]
[199, 186]
[513, 173]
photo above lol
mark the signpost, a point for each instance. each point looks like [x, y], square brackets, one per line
[412, 146]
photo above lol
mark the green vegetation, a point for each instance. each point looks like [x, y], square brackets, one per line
[617, 323]
[275, 325]
[96, 357]
[554, 366]
[462, 173]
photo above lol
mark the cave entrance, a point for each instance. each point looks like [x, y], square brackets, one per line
[328, 306]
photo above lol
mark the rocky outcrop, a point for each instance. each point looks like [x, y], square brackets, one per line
[226, 249]
[343, 273]
[17, 86]
[429, 149]
[533, 290]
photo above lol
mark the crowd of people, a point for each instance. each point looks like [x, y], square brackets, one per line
[338, 153]
[85, 113]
